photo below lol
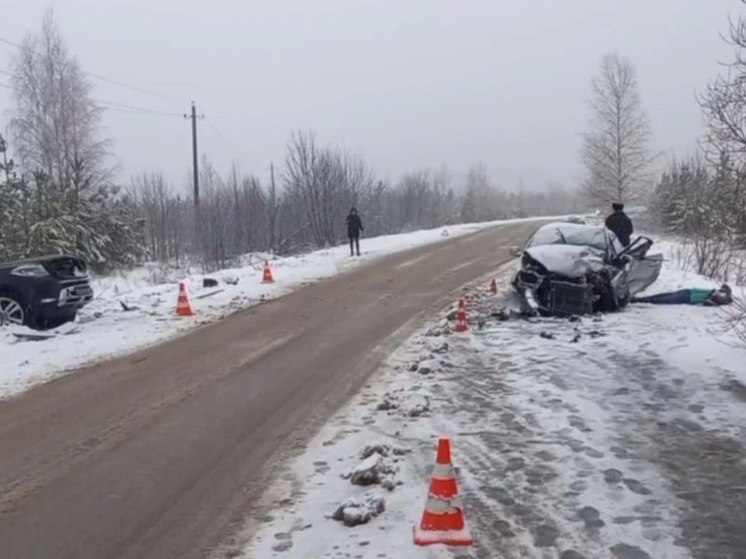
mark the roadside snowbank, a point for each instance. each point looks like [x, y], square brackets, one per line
[105, 329]
[616, 437]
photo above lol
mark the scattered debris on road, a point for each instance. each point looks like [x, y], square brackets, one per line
[356, 511]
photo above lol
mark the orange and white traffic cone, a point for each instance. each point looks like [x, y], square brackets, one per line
[267, 277]
[493, 286]
[183, 308]
[462, 322]
[443, 521]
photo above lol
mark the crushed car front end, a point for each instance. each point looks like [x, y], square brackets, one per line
[574, 269]
[549, 293]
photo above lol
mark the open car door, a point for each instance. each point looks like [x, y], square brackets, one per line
[641, 269]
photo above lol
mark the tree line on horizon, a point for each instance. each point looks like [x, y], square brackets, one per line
[57, 192]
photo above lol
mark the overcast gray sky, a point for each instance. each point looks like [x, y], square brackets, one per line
[407, 84]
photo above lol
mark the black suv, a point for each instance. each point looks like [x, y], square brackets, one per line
[43, 292]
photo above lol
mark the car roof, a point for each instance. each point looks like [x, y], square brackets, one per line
[569, 227]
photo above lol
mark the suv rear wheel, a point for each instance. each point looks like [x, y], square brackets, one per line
[11, 311]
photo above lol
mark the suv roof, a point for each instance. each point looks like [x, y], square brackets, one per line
[36, 260]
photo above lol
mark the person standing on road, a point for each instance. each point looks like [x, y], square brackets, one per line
[354, 227]
[620, 224]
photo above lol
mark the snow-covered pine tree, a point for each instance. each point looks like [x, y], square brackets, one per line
[69, 204]
[696, 202]
[13, 207]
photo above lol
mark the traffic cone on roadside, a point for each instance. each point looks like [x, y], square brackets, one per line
[462, 322]
[267, 277]
[443, 521]
[183, 308]
[493, 286]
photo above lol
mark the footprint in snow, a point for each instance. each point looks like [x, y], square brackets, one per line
[625, 551]
[591, 517]
[579, 486]
[613, 475]
[636, 487]
[593, 453]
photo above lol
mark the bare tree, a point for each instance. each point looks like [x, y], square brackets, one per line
[273, 207]
[56, 122]
[724, 100]
[736, 317]
[326, 181]
[164, 232]
[616, 147]
[724, 108]
[482, 200]
[319, 183]
[69, 205]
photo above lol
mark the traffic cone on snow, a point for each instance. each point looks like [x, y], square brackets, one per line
[267, 277]
[462, 322]
[443, 521]
[183, 308]
[493, 286]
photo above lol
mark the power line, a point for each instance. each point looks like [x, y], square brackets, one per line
[130, 87]
[132, 108]
[131, 112]
[122, 108]
[112, 104]
[220, 135]
[105, 79]
[11, 43]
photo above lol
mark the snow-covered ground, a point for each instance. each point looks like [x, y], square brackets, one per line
[104, 329]
[618, 436]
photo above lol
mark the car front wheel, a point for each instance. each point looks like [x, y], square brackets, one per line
[11, 311]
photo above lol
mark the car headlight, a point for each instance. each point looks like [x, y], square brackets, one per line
[30, 271]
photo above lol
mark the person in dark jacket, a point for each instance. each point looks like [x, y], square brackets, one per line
[620, 224]
[354, 227]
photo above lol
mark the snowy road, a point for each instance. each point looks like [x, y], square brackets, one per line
[134, 309]
[615, 437]
[160, 454]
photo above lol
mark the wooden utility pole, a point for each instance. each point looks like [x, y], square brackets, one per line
[195, 158]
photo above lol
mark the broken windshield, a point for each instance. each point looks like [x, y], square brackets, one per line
[571, 234]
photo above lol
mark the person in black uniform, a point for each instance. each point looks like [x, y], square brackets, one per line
[620, 224]
[354, 227]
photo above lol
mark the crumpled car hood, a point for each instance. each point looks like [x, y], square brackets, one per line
[567, 260]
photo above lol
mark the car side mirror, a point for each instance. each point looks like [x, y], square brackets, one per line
[515, 251]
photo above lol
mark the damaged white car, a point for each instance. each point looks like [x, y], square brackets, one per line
[572, 269]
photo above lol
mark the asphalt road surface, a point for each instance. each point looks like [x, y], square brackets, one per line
[163, 454]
